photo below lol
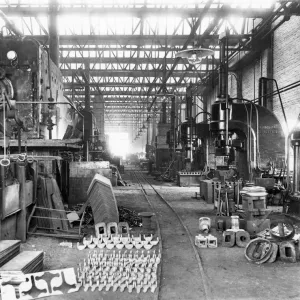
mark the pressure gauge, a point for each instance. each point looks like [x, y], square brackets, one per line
[12, 55]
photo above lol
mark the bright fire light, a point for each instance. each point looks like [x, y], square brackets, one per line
[119, 143]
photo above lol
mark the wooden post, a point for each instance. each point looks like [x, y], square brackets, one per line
[21, 216]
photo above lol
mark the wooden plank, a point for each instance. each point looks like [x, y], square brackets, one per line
[41, 201]
[61, 215]
[22, 261]
[49, 188]
[57, 201]
[8, 244]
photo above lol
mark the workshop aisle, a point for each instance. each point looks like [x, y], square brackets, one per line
[230, 274]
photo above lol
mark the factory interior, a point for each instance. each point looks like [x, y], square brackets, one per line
[149, 149]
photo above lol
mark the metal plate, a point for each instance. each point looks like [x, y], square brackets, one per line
[11, 202]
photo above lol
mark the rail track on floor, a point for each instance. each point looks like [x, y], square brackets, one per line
[166, 218]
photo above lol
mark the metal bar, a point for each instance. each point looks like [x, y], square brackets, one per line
[50, 218]
[141, 12]
[139, 73]
[68, 86]
[145, 40]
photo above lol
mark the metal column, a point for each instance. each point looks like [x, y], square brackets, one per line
[53, 32]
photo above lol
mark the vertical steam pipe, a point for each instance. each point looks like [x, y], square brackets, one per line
[226, 96]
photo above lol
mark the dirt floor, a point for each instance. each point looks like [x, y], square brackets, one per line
[228, 274]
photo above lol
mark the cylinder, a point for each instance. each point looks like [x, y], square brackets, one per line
[262, 91]
[204, 224]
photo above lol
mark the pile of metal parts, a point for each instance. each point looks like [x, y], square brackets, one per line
[119, 241]
[252, 218]
[261, 250]
[238, 237]
[133, 270]
[205, 240]
[278, 241]
[208, 241]
[88, 215]
[129, 216]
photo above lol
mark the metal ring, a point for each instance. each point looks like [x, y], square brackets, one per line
[21, 157]
[5, 162]
[253, 247]
[277, 235]
[30, 159]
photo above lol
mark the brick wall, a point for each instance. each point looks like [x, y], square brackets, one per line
[250, 75]
[286, 70]
[287, 67]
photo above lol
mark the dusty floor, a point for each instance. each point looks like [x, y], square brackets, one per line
[228, 274]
